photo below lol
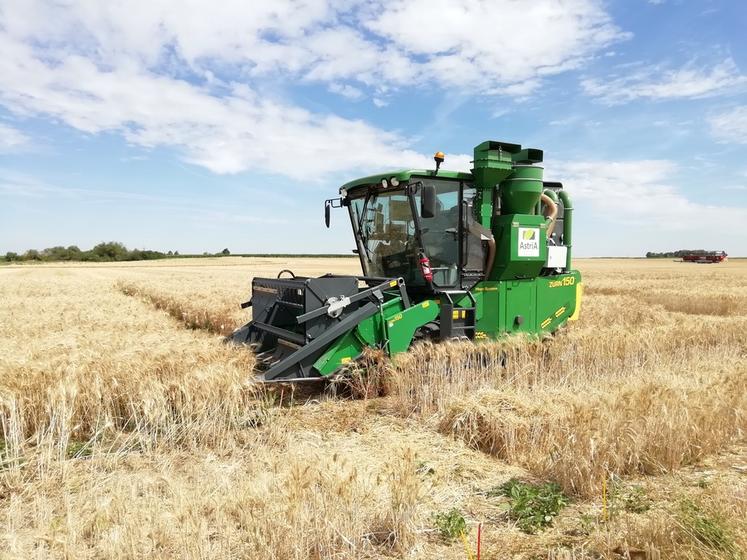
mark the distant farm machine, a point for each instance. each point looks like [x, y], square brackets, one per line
[444, 255]
[705, 257]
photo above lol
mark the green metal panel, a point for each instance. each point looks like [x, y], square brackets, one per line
[521, 246]
[492, 164]
[545, 303]
[348, 347]
[490, 303]
[401, 326]
[394, 330]
[556, 300]
[521, 190]
[520, 310]
[528, 155]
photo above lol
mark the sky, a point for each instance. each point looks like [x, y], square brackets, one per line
[193, 126]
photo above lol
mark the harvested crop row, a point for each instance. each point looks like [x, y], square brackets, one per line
[194, 316]
[69, 374]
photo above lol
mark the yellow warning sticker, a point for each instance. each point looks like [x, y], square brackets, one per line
[393, 283]
[426, 304]
[345, 360]
[577, 310]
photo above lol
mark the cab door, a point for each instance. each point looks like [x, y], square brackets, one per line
[474, 237]
[440, 234]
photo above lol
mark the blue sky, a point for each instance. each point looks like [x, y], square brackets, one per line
[194, 126]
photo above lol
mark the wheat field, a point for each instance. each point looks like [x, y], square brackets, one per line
[130, 431]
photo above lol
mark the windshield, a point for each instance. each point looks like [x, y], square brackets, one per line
[386, 229]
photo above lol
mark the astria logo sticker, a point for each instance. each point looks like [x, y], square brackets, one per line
[529, 242]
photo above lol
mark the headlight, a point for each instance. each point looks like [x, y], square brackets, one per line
[384, 184]
[394, 182]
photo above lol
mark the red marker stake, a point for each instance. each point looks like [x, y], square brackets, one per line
[479, 539]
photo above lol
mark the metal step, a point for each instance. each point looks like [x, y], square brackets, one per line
[457, 321]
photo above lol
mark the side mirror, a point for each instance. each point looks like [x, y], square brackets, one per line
[428, 202]
[327, 212]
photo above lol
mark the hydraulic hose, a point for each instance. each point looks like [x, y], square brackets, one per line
[484, 234]
[547, 200]
[567, 225]
[491, 255]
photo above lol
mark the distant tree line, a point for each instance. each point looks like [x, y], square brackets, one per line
[677, 254]
[103, 252]
[113, 251]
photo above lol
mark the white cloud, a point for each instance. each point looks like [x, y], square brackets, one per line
[225, 134]
[494, 45]
[189, 76]
[730, 126]
[468, 44]
[501, 112]
[11, 139]
[641, 194]
[346, 90]
[657, 82]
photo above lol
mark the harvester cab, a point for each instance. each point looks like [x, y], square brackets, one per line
[444, 255]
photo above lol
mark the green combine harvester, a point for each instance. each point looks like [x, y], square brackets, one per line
[444, 254]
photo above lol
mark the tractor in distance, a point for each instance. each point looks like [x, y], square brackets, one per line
[444, 255]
